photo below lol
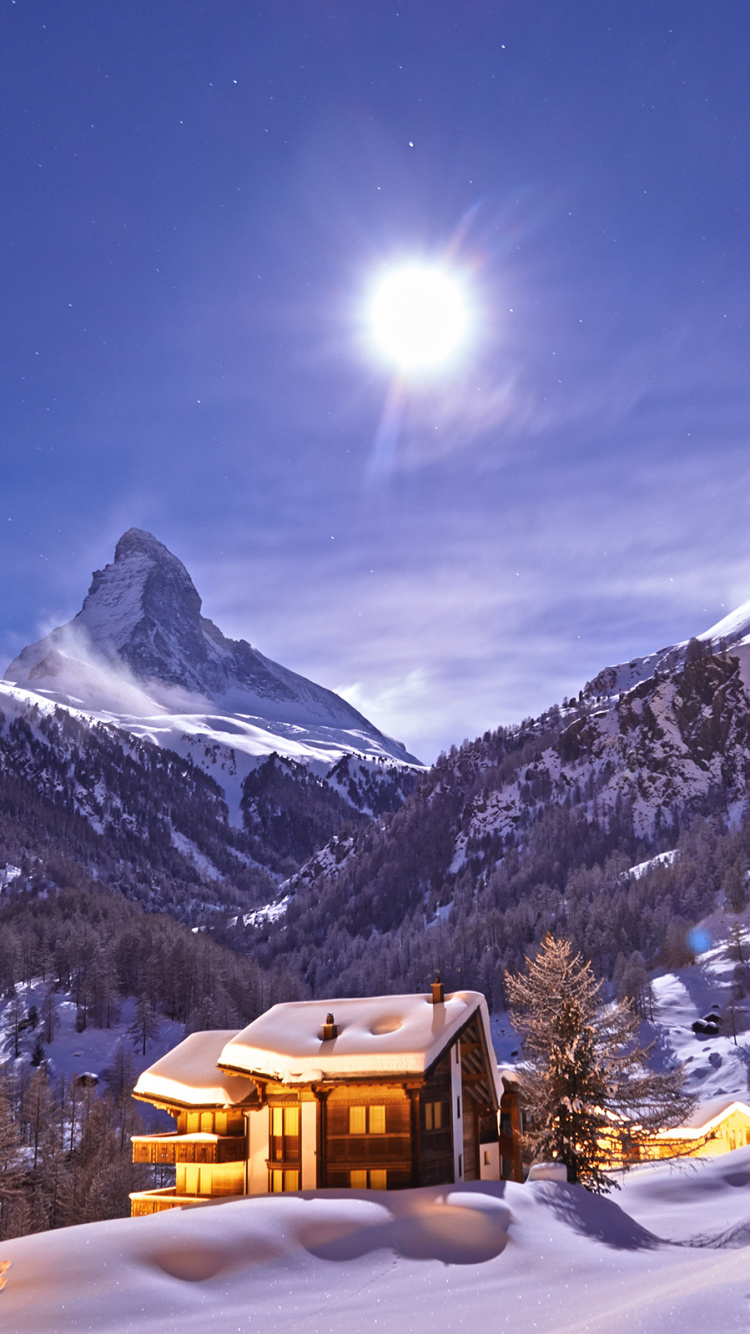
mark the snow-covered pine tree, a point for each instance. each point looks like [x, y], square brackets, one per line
[588, 1092]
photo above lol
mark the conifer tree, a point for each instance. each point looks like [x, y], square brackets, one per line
[587, 1090]
[145, 1027]
[11, 1162]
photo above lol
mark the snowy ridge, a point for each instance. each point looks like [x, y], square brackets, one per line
[732, 631]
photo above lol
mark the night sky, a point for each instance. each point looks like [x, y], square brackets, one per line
[194, 200]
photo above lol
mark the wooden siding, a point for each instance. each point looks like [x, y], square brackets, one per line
[389, 1150]
[169, 1149]
[436, 1144]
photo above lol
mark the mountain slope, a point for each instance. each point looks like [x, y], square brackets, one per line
[534, 828]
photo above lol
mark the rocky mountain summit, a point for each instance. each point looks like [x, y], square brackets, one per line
[142, 618]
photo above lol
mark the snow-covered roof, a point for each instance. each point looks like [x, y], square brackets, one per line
[377, 1035]
[706, 1114]
[188, 1074]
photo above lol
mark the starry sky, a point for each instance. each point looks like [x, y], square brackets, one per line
[194, 200]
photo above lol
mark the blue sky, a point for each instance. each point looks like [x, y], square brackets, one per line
[195, 197]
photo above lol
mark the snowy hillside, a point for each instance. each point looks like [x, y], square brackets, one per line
[670, 1254]
[73, 1052]
[732, 631]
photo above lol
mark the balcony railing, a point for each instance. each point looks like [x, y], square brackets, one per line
[196, 1148]
[144, 1202]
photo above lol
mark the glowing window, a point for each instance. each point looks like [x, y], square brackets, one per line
[377, 1121]
[433, 1115]
[291, 1120]
[375, 1179]
[357, 1120]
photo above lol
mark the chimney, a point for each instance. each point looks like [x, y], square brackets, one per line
[330, 1030]
[438, 991]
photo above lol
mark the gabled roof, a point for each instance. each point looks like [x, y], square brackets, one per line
[377, 1035]
[706, 1114]
[188, 1076]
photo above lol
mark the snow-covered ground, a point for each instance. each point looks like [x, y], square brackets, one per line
[717, 1066]
[668, 1255]
[89, 1052]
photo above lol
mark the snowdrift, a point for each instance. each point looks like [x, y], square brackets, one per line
[539, 1257]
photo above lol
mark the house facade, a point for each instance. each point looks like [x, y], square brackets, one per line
[376, 1093]
[717, 1126]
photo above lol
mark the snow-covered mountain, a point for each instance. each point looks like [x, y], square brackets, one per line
[140, 718]
[141, 656]
[140, 643]
[732, 631]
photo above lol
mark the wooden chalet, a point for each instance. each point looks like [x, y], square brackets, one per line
[382, 1092]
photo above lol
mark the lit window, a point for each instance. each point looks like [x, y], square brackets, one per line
[291, 1120]
[377, 1121]
[277, 1120]
[279, 1181]
[357, 1120]
[364, 1120]
[375, 1179]
[433, 1115]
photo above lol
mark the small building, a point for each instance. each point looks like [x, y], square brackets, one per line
[380, 1092]
[716, 1126]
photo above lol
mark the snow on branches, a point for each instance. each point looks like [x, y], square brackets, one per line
[590, 1097]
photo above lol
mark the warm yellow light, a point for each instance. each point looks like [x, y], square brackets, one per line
[419, 317]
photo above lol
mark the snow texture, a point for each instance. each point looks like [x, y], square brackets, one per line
[188, 1074]
[670, 1255]
[376, 1035]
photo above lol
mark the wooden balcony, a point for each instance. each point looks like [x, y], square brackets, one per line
[143, 1202]
[358, 1151]
[195, 1148]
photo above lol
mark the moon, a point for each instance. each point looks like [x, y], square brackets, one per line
[419, 317]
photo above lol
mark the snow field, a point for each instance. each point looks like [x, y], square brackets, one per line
[542, 1257]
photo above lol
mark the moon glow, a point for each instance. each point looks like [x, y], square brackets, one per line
[419, 317]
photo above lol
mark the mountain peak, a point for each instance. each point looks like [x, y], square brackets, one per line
[142, 618]
[137, 542]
